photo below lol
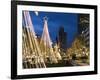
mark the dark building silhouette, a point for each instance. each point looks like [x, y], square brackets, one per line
[83, 27]
[62, 39]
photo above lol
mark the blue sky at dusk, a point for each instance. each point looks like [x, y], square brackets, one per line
[55, 20]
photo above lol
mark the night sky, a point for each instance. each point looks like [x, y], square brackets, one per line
[55, 20]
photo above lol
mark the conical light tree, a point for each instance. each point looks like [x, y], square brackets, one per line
[45, 35]
[33, 52]
[46, 44]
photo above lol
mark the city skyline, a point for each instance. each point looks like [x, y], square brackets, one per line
[69, 21]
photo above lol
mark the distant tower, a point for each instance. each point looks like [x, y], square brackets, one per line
[62, 39]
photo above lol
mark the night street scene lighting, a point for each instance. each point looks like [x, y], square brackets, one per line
[51, 39]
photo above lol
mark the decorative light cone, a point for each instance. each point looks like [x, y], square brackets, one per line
[45, 35]
[34, 48]
[46, 41]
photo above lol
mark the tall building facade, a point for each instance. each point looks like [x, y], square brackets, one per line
[62, 39]
[84, 28]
